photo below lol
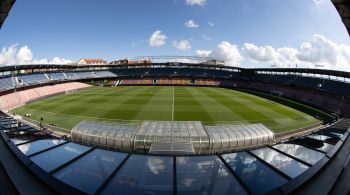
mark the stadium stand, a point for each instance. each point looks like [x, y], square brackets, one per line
[207, 82]
[89, 74]
[103, 74]
[179, 72]
[84, 75]
[164, 82]
[146, 82]
[31, 79]
[320, 92]
[198, 82]
[71, 75]
[6, 83]
[15, 99]
[129, 82]
[314, 97]
[57, 76]
[322, 84]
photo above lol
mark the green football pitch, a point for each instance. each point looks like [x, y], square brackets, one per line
[137, 103]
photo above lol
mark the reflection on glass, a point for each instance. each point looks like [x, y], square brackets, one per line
[37, 146]
[48, 160]
[88, 173]
[308, 155]
[143, 175]
[314, 144]
[285, 164]
[339, 135]
[23, 128]
[333, 139]
[256, 175]
[19, 141]
[341, 131]
[319, 137]
[205, 175]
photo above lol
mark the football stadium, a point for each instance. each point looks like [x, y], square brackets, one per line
[173, 125]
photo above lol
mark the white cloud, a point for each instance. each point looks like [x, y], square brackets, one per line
[184, 60]
[203, 53]
[24, 55]
[13, 56]
[343, 55]
[319, 50]
[266, 53]
[8, 55]
[227, 52]
[156, 165]
[318, 2]
[224, 51]
[325, 52]
[157, 39]
[191, 24]
[195, 2]
[287, 55]
[55, 60]
[211, 24]
[182, 45]
[269, 55]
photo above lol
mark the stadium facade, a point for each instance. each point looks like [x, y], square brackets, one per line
[34, 161]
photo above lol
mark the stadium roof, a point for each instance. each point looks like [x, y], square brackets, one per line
[171, 65]
[5, 7]
[343, 7]
[306, 70]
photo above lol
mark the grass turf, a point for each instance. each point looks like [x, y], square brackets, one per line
[138, 103]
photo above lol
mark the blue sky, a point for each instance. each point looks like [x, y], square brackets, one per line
[244, 32]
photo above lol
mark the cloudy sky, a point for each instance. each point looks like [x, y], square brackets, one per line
[246, 33]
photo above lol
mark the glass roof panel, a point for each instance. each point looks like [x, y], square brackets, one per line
[308, 155]
[90, 171]
[205, 175]
[281, 162]
[52, 159]
[257, 176]
[143, 175]
[37, 146]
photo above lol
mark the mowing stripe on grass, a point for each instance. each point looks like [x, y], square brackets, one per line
[82, 107]
[254, 104]
[172, 109]
[213, 106]
[189, 107]
[237, 107]
[137, 103]
[153, 108]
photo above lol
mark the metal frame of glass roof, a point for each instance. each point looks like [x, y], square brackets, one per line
[186, 174]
